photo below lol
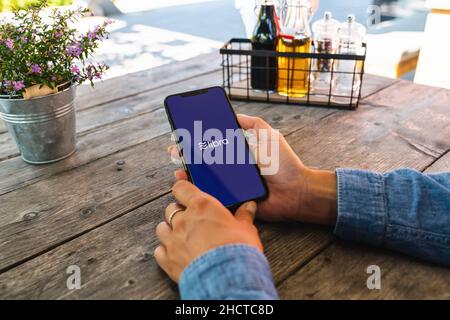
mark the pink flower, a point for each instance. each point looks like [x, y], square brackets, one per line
[5, 85]
[58, 34]
[92, 35]
[9, 43]
[89, 73]
[18, 85]
[36, 69]
[74, 69]
[75, 50]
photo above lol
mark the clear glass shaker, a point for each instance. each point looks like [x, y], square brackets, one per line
[350, 37]
[325, 41]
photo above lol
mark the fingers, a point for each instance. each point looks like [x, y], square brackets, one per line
[163, 232]
[248, 122]
[169, 210]
[246, 213]
[184, 192]
[163, 261]
[174, 156]
[181, 175]
[160, 255]
[173, 152]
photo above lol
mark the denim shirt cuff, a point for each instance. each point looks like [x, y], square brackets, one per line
[235, 271]
[362, 207]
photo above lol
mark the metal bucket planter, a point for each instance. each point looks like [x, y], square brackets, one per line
[43, 128]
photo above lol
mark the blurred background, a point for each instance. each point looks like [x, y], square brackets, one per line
[150, 33]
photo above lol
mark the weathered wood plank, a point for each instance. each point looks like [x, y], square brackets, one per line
[8, 148]
[54, 218]
[116, 260]
[59, 201]
[384, 133]
[371, 86]
[109, 283]
[94, 145]
[340, 273]
[139, 82]
[96, 117]
[326, 123]
[441, 165]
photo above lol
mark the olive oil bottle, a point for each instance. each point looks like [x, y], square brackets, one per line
[293, 73]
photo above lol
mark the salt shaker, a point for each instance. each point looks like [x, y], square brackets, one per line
[350, 37]
[325, 41]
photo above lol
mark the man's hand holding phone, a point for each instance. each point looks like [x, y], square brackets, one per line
[296, 193]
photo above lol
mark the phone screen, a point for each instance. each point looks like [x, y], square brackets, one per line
[213, 146]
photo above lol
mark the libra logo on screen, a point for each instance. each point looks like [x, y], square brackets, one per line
[212, 144]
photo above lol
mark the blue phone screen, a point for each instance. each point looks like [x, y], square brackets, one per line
[213, 146]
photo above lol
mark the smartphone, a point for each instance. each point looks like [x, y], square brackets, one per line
[213, 148]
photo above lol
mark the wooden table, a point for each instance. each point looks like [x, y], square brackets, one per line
[92, 212]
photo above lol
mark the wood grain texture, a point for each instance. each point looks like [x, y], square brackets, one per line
[384, 134]
[8, 148]
[135, 83]
[116, 260]
[441, 165]
[41, 215]
[291, 262]
[340, 272]
[90, 211]
[98, 116]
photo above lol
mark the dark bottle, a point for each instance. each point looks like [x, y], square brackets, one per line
[264, 69]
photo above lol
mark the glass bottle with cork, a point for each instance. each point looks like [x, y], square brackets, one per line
[264, 69]
[295, 36]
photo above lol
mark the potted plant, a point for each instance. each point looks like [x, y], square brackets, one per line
[42, 60]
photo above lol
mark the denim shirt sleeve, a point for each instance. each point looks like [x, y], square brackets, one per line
[229, 272]
[403, 210]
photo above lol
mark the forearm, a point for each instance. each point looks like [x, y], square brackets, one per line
[229, 272]
[403, 210]
[321, 203]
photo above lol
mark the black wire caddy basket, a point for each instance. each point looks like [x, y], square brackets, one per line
[238, 67]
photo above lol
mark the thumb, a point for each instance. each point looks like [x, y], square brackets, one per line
[248, 122]
[246, 212]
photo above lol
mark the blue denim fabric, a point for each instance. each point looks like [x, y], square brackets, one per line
[403, 210]
[231, 272]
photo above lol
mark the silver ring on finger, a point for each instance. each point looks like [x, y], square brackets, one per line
[173, 214]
